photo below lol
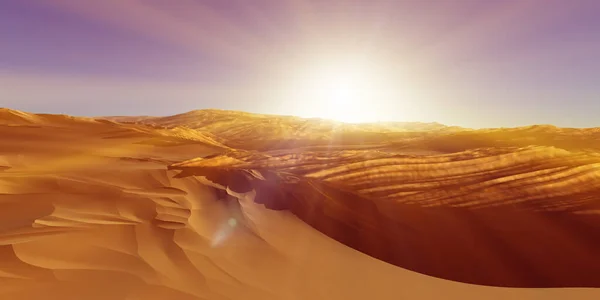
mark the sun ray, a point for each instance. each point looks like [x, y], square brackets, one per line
[504, 19]
[190, 25]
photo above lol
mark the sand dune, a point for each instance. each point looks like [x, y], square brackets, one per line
[269, 132]
[97, 209]
[444, 215]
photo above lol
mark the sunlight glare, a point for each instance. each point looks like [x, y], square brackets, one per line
[349, 91]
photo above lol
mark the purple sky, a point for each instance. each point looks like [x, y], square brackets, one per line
[486, 63]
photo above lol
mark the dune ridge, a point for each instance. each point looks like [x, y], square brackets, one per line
[382, 203]
[428, 180]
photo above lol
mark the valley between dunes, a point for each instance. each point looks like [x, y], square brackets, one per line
[228, 205]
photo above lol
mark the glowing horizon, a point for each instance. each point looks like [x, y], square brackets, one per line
[466, 63]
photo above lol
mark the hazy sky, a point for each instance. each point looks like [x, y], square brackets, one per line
[472, 63]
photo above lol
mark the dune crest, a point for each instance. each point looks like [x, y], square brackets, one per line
[431, 213]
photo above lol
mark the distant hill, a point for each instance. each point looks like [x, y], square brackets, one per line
[235, 129]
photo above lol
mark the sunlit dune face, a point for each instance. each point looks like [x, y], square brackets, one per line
[349, 91]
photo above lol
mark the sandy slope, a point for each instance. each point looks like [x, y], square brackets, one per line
[503, 217]
[90, 211]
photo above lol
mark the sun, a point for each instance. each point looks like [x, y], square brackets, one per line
[342, 93]
[348, 91]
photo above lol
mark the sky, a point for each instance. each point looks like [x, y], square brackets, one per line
[487, 63]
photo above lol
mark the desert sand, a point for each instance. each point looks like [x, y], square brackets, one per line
[228, 205]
